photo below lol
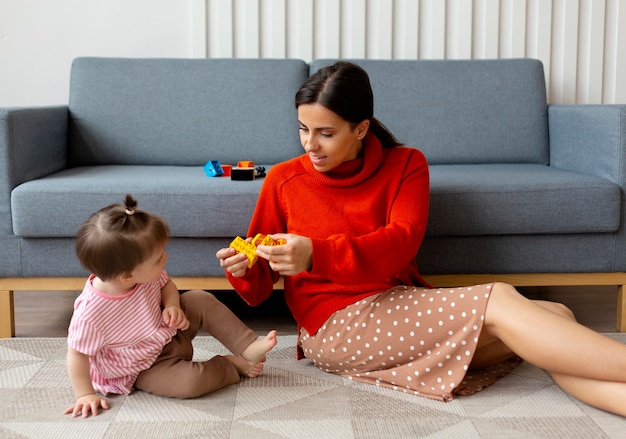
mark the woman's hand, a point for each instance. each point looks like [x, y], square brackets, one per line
[293, 257]
[234, 263]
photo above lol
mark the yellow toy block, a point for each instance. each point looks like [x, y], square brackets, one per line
[261, 239]
[247, 248]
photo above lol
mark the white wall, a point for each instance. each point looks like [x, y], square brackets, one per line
[582, 43]
[39, 39]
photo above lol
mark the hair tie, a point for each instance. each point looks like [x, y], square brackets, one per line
[129, 212]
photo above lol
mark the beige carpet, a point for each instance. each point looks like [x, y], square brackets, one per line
[290, 400]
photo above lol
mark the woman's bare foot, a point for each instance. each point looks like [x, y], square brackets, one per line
[250, 362]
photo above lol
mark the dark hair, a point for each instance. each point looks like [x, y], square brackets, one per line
[117, 238]
[344, 88]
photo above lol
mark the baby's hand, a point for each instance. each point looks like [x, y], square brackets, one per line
[87, 404]
[174, 317]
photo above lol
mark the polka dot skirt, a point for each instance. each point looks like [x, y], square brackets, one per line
[412, 339]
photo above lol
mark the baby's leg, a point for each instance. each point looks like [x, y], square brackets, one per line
[205, 311]
[175, 375]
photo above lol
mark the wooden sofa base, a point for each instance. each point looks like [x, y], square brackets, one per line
[9, 285]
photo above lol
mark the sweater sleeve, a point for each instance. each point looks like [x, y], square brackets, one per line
[385, 252]
[258, 283]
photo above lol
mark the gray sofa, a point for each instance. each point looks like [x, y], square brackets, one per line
[521, 191]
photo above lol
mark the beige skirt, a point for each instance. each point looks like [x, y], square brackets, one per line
[412, 339]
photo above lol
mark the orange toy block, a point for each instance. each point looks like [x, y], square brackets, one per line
[247, 248]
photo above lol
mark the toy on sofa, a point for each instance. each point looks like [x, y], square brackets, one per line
[249, 248]
[245, 170]
[213, 168]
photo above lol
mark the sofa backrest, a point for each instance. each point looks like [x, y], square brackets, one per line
[183, 111]
[463, 111]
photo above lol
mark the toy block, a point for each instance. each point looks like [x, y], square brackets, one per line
[245, 164]
[247, 248]
[261, 239]
[227, 169]
[213, 168]
[242, 174]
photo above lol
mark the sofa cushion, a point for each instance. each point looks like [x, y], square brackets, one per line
[466, 200]
[463, 111]
[194, 205]
[183, 111]
[519, 199]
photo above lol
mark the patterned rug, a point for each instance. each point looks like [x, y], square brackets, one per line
[290, 400]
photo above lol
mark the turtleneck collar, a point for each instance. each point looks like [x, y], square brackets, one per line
[352, 172]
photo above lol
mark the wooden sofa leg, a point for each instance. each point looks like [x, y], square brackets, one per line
[621, 308]
[7, 316]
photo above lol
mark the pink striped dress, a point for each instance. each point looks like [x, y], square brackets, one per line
[122, 335]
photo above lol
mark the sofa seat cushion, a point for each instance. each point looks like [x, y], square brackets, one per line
[466, 200]
[519, 199]
[193, 204]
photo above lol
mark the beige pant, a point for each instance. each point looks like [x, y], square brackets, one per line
[174, 374]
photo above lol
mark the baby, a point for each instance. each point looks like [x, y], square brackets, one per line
[131, 328]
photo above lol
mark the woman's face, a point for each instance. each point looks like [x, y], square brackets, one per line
[327, 138]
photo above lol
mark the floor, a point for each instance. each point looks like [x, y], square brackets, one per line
[47, 313]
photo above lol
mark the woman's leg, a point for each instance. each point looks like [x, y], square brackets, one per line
[491, 350]
[586, 364]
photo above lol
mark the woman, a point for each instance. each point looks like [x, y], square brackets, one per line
[353, 211]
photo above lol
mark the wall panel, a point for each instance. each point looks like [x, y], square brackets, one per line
[580, 42]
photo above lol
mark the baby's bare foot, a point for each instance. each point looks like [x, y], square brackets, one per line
[255, 353]
[250, 362]
[244, 367]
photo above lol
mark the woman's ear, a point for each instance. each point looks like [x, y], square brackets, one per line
[361, 129]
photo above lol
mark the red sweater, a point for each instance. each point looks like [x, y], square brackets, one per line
[366, 219]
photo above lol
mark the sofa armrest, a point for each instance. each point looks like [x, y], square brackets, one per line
[33, 144]
[590, 139]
